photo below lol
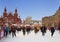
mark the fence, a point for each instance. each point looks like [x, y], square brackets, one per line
[1, 34]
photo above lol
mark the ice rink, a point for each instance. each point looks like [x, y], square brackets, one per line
[32, 37]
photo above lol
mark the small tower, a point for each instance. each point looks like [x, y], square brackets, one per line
[16, 10]
[15, 14]
[5, 12]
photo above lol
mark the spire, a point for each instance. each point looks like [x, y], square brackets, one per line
[16, 10]
[5, 9]
[16, 14]
[5, 12]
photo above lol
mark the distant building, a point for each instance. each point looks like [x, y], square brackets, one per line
[9, 17]
[29, 20]
[53, 20]
[37, 21]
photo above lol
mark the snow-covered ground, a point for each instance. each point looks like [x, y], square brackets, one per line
[32, 37]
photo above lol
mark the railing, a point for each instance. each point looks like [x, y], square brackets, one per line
[1, 34]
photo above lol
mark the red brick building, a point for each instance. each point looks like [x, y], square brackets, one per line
[9, 18]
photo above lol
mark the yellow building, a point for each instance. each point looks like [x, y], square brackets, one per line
[53, 20]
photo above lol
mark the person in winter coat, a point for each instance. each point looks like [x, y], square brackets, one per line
[13, 30]
[36, 29]
[6, 30]
[28, 29]
[24, 30]
[43, 30]
[0, 32]
[19, 29]
[52, 31]
[59, 29]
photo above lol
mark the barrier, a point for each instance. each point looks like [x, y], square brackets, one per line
[1, 34]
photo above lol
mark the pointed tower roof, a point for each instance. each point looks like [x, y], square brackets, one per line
[5, 12]
[15, 13]
[5, 9]
[16, 10]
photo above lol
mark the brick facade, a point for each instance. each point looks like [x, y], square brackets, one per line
[9, 17]
[53, 20]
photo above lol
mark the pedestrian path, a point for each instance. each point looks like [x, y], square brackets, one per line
[32, 37]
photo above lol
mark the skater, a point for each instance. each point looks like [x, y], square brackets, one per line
[9, 30]
[6, 30]
[18, 29]
[23, 29]
[59, 28]
[43, 30]
[52, 31]
[13, 30]
[36, 29]
[28, 29]
[0, 32]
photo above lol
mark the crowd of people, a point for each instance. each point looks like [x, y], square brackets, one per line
[27, 29]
